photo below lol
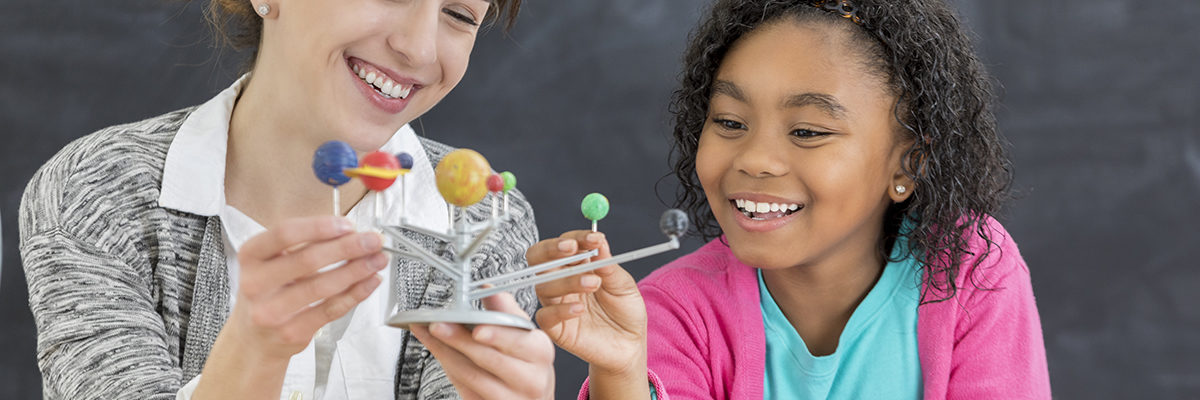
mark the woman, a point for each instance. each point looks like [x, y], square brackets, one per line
[180, 257]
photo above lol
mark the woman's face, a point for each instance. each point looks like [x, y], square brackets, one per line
[799, 156]
[319, 55]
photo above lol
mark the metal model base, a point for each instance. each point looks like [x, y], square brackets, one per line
[470, 318]
[466, 238]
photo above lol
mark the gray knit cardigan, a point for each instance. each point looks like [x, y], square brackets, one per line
[129, 296]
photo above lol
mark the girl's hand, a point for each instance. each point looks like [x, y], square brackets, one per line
[493, 362]
[597, 316]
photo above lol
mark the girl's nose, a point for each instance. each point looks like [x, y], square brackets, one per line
[762, 157]
[415, 34]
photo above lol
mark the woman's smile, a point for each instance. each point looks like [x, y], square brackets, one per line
[383, 88]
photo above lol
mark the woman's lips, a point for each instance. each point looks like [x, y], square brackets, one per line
[381, 89]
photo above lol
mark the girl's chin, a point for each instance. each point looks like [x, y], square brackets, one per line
[763, 256]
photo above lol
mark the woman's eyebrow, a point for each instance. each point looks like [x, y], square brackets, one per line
[825, 102]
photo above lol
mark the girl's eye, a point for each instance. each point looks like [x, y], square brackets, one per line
[807, 134]
[729, 124]
[461, 17]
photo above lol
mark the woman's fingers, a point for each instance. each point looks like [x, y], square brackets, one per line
[302, 325]
[294, 232]
[511, 355]
[466, 375]
[314, 256]
[300, 294]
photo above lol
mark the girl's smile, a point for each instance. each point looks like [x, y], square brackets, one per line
[762, 213]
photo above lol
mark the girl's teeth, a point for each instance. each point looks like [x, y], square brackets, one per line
[793, 207]
[762, 207]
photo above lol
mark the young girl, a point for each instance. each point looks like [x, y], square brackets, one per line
[845, 156]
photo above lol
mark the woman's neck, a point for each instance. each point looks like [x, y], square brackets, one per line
[268, 162]
[819, 298]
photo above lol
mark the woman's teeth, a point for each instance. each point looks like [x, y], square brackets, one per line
[383, 84]
[765, 211]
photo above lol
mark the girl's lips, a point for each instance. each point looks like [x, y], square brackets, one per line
[386, 104]
[763, 225]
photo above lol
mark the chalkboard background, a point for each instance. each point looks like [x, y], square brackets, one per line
[1101, 102]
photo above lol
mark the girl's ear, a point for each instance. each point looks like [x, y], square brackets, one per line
[902, 186]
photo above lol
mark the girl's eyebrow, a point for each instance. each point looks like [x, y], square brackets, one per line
[825, 102]
[729, 89]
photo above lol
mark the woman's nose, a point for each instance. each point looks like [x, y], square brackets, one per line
[416, 33]
[762, 157]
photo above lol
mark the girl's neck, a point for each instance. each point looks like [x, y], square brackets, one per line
[819, 298]
[268, 161]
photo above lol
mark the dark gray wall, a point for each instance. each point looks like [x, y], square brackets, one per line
[1101, 103]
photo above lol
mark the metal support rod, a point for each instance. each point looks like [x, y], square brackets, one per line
[539, 268]
[579, 269]
[474, 246]
[434, 262]
[425, 231]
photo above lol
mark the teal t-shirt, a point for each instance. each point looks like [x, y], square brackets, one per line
[876, 356]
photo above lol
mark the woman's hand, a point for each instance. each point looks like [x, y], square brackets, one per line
[493, 362]
[598, 316]
[282, 300]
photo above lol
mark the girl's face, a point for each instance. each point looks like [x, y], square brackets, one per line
[319, 54]
[799, 157]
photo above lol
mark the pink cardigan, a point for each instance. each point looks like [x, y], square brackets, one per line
[706, 337]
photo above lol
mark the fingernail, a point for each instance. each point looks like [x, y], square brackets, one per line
[343, 225]
[439, 329]
[483, 335]
[370, 240]
[381, 262]
[576, 309]
[594, 237]
[564, 245]
[590, 281]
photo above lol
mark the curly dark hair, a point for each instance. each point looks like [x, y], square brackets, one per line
[957, 157]
[235, 24]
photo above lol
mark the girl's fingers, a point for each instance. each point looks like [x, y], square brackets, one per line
[550, 316]
[461, 370]
[307, 260]
[308, 290]
[291, 233]
[334, 307]
[582, 283]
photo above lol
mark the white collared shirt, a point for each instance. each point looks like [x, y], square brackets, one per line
[354, 357]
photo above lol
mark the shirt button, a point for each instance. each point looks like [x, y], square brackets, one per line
[296, 395]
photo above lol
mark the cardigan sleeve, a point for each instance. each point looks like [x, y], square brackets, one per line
[999, 350]
[99, 335]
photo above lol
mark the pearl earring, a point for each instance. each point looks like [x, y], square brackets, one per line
[264, 9]
[901, 189]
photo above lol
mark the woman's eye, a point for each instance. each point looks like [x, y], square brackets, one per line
[461, 17]
[729, 124]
